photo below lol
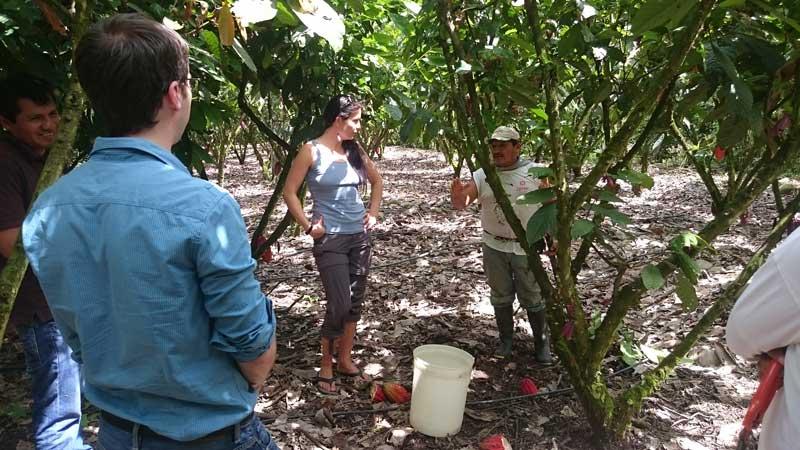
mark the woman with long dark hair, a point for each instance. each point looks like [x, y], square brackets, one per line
[335, 165]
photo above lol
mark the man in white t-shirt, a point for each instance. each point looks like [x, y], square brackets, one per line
[504, 261]
[765, 323]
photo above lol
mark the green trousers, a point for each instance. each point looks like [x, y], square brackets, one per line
[509, 276]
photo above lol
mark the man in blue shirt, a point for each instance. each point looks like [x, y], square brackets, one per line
[147, 270]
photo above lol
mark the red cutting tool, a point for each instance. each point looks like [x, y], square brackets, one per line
[771, 380]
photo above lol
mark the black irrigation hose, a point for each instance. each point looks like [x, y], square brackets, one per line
[268, 421]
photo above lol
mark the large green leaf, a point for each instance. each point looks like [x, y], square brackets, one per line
[540, 172]
[688, 265]
[630, 351]
[414, 125]
[687, 239]
[571, 42]
[541, 113]
[542, 222]
[520, 97]
[464, 67]
[254, 11]
[655, 13]
[248, 61]
[732, 130]
[321, 19]
[765, 56]
[612, 213]
[537, 196]
[737, 93]
[636, 178]
[580, 228]
[605, 195]
[651, 277]
[394, 111]
[685, 291]
[732, 3]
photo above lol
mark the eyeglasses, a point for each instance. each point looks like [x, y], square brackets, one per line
[193, 83]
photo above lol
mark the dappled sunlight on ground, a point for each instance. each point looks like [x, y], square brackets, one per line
[427, 286]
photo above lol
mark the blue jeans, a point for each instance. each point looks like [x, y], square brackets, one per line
[55, 386]
[253, 436]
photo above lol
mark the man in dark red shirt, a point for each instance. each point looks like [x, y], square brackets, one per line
[29, 116]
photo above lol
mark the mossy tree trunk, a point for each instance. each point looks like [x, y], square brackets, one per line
[59, 156]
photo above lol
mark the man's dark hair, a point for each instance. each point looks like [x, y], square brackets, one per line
[17, 87]
[125, 64]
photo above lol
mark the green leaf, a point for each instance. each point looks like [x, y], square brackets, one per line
[651, 277]
[571, 42]
[537, 196]
[542, 222]
[655, 355]
[732, 3]
[212, 42]
[732, 130]
[414, 125]
[629, 350]
[464, 67]
[580, 228]
[394, 111]
[655, 13]
[197, 117]
[413, 7]
[685, 291]
[605, 195]
[521, 98]
[285, 16]
[688, 265]
[687, 239]
[540, 172]
[16, 410]
[322, 20]
[602, 92]
[436, 60]
[766, 55]
[254, 11]
[635, 178]
[612, 213]
[541, 113]
[248, 61]
[738, 94]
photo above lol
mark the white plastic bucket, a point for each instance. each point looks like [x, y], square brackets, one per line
[441, 377]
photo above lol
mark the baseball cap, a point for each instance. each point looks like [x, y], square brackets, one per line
[504, 134]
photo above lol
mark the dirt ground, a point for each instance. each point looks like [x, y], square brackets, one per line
[427, 287]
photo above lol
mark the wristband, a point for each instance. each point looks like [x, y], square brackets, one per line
[310, 227]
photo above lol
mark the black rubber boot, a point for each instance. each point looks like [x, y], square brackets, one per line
[504, 316]
[541, 342]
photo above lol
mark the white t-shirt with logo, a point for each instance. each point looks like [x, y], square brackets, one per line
[516, 182]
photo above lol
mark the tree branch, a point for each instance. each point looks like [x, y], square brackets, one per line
[643, 104]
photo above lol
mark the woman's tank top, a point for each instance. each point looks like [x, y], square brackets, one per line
[334, 191]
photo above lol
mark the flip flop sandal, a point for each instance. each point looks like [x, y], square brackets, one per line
[355, 374]
[322, 390]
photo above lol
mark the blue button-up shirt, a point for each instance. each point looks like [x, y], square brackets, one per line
[149, 276]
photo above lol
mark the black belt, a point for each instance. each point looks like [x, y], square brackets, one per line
[124, 424]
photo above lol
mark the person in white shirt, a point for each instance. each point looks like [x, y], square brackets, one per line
[765, 323]
[504, 261]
